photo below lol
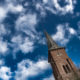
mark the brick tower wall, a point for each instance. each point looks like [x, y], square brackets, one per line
[59, 61]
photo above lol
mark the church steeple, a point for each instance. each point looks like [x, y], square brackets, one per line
[51, 43]
[62, 66]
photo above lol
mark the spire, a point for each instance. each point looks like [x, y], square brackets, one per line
[51, 43]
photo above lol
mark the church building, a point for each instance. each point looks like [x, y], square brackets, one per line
[62, 66]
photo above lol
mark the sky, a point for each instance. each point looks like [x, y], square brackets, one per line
[23, 47]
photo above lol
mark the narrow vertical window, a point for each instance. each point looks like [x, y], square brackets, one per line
[65, 69]
[68, 69]
[69, 63]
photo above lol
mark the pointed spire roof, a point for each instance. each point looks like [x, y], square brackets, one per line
[51, 43]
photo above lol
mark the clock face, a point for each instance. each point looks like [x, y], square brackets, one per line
[59, 54]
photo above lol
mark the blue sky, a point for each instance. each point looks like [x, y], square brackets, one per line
[23, 48]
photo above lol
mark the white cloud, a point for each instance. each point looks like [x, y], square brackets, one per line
[5, 73]
[9, 7]
[1, 62]
[60, 35]
[23, 44]
[55, 7]
[42, 41]
[50, 5]
[3, 13]
[45, 1]
[49, 78]
[3, 43]
[72, 31]
[15, 8]
[27, 22]
[27, 46]
[26, 4]
[40, 8]
[62, 31]
[2, 30]
[17, 39]
[3, 47]
[28, 68]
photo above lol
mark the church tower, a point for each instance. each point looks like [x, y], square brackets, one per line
[62, 66]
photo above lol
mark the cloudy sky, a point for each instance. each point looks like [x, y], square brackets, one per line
[23, 48]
